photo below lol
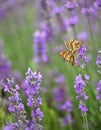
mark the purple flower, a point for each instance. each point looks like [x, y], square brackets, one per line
[67, 106]
[71, 5]
[98, 89]
[2, 12]
[96, 6]
[58, 10]
[40, 47]
[83, 108]
[79, 86]
[88, 11]
[16, 106]
[9, 127]
[32, 88]
[62, 102]
[67, 120]
[98, 2]
[60, 79]
[82, 59]
[71, 21]
[11, 108]
[59, 94]
[82, 51]
[5, 67]
[83, 36]
[39, 113]
[62, 24]
[86, 77]
[82, 96]
[6, 88]
[98, 60]
[48, 29]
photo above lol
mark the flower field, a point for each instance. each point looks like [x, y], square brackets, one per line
[50, 65]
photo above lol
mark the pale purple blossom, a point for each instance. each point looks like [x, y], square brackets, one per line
[79, 86]
[68, 120]
[82, 58]
[98, 2]
[16, 106]
[31, 90]
[62, 101]
[40, 47]
[88, 11]
[34, 101]
[98, 60]
[83, 36]
[83, 108]
[98, 89]
[71, 21]
[71, 5]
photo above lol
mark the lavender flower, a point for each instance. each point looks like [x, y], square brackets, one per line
[98, 89]
[58, 10]
[46, 27]
[63, 103]
[60, 19]
[98, 2]
[72, 21]
[9, 127]
[2, 12]
[67, 106]
[83, 108]
[82, 59]
[67, 120]
[71, 5]
[87, 11]
[83, 36]
[59, 94]
[79, 86]
[5, 67]
[16, 106]
[98, 60]
[33, 81]
[6, 72]
[40, 47]
[31, 90]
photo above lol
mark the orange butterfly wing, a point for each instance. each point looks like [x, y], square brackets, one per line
[68, 56]
[73, 45]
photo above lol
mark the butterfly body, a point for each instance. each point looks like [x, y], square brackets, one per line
[72, 47]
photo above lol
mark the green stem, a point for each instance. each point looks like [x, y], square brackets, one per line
[70, 127]
[74, 32]
[86, 122]
[91, 32]
[73, 26]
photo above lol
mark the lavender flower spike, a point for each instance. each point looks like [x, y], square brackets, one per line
[16, 106]
[79, 86]
[98, 60]
[98, 89]
[34, 101]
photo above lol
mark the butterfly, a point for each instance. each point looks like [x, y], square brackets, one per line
[73, 46]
